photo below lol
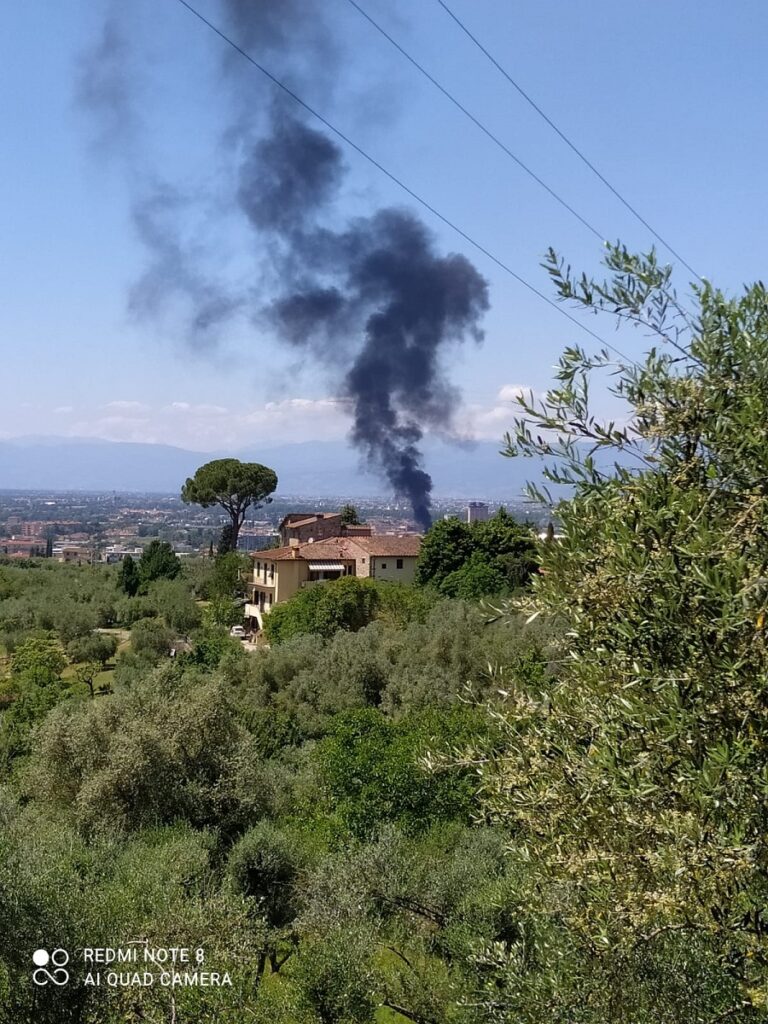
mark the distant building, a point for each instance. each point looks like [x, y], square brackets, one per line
[116, 553]
[304, 528]
[23, 547]
[477, 512]
[254, 541]
[279, 573]
[73, 553]
[34, 529]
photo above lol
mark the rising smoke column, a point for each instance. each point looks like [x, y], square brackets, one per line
[177, 283]
[379, 278]
[372, 303]
[420, 302]
[374, 298]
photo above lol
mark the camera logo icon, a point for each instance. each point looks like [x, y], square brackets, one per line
[50, 967]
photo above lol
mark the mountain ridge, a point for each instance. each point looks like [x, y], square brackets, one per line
[321, 468]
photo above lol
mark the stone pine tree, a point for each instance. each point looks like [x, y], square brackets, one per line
[234, 486]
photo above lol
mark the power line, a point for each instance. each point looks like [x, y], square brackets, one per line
[483, 128]
[398, 181]
[565, 138]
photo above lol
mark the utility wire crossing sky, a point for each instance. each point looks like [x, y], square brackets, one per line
[401, 184]
[664, 106]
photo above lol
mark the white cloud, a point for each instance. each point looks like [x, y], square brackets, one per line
[510, 392]
[200, 409]
[492, 421]
[126, 406]
[117, 428]
[208, 427]
[301, 419]
[63, 410]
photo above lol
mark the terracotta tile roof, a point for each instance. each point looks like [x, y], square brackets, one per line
[300, 519]
[292, 517]
[334, 548]
[271, 554]
[405, 545]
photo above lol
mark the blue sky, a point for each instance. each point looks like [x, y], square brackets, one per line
[667, 97]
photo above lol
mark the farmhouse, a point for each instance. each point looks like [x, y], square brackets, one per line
[279, 573]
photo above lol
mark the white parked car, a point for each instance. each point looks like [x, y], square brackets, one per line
[238, 632]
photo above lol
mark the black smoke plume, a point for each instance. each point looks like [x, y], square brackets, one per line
[373, 303]
[380, 277]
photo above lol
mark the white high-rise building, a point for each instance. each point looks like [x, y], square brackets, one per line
[477, 512]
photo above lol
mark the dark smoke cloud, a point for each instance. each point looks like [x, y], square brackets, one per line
[105, 85]
[175, 276]
[176, 288]
[293, 30]
[288, 176]
[406, 302]
[373, 303]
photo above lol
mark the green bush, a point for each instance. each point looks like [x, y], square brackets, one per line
[474, 560]
[348, 603]
[633, 784]
[151, 639]
[371, 768]
[98, 647]
[264, 866]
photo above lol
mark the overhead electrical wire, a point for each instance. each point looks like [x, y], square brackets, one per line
[571, 145]
[476, 121]
[398, 181]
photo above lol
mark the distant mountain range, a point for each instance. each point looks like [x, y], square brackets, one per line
[316, 468]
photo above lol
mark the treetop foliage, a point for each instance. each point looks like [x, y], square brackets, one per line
[349, 516]
[158, 561]
[472, 560]
[634, 782]
[235, 486]
[40, 659]
[348, 604]
[230, 483]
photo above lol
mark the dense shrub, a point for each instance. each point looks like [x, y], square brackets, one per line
[349, 603]
[478, 559]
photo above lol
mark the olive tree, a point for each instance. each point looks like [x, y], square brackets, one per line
[633, 783]
[233, 485]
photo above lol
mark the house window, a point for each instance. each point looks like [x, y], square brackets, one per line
[258, 568]
[399, 563]
[383, 565]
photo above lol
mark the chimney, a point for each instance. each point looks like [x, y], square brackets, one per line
[293, 543]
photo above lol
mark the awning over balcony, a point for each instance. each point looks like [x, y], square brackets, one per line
[326, 567]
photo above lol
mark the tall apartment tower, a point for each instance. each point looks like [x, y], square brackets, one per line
[477, 512]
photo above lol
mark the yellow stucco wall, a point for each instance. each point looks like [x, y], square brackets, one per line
[286, 576]
[289, 575]
[391, 572]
